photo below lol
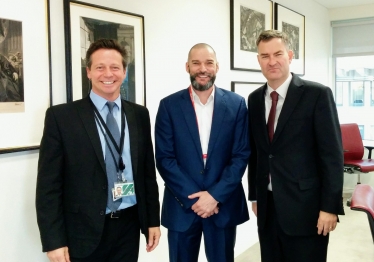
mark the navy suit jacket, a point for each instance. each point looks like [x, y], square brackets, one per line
[305, 158]
[180, 164]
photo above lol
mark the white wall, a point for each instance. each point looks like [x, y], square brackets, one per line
[171, 28]
[351, 12]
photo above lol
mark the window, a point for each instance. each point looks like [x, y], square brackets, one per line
[356, 97]
[362, 131]
[339, 93]
[354, 92]
[353, 56]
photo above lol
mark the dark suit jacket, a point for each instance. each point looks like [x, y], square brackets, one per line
[305, 158]
[179, 159]
[71, 193]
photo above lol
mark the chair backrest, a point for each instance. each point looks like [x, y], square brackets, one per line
[352, 142]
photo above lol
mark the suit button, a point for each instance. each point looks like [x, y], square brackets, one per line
[104, 187]
[202, 172]
[102, 213]
[271, 156]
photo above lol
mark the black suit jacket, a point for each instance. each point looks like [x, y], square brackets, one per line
[305, 158]
[71, 193]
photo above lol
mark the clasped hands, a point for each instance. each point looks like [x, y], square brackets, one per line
[206, 206]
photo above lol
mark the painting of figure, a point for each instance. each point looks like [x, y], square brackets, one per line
[252, 23]
[11, 61]
[293, 33]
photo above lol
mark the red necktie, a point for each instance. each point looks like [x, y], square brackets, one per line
[273, 109]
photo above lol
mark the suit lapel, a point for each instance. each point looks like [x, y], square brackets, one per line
[191, 121]
[294, 94]
[133, 133]
[262, 118]
[219, 111]
[86, 114]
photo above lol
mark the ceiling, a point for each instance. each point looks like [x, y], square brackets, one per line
[342, 3]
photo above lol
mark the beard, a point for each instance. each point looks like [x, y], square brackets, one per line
[199, 87]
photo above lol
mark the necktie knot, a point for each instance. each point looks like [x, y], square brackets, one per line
[110, 106]
[274, 96]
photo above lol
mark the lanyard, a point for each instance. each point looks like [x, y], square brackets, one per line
[119, 164]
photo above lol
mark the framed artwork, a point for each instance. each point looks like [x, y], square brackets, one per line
[84, 24]
[25, 74]
[245, 88]
[293, 24]
[248, 19]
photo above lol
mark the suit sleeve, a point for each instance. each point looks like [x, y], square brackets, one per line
[232, 174]
[252, 162]
[179, 183]
[49, 187]
[330, 152]
[151, 187]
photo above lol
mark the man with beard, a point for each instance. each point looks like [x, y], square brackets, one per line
[202, 147]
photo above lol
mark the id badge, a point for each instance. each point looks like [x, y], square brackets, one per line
[124, 189]
[116, 192]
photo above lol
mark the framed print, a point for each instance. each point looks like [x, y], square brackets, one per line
[293, 24]
[245, 88]
[86, 23]
[25, 74]
[248, 19]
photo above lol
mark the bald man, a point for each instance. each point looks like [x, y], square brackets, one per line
[202, 156]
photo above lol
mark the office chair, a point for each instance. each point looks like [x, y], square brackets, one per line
[354, 151]
[363, 200]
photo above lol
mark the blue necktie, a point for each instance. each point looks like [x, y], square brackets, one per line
[110, 162]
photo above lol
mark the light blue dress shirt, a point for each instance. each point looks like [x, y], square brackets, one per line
[100, 104]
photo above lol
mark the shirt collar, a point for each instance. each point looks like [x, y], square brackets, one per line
[100, 102]
[196, 97]
[282, 89]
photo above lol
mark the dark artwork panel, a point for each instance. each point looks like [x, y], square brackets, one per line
[293, 33]
[11, 61]
[93, 29]
[252, 23]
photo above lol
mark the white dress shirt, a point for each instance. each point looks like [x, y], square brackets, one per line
[282, 92]
[204, 116]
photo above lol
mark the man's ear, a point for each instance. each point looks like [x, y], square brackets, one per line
[88, 73]
[290, 55]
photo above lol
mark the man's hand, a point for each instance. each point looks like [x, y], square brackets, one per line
[59, 255]
[154, 235]
[254, 208]
[206, 206]
[326, 222]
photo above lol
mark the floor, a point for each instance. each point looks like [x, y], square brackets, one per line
[350, 242]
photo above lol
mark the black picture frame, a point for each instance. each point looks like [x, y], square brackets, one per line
[17, 136]
[248, 18]
[292, 23]
[89, 22]
[244, 88]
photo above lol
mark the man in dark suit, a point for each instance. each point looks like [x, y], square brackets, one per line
[201, 153]
[296, 166]
[78, 215]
